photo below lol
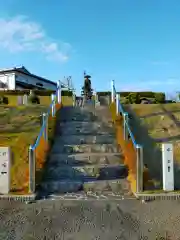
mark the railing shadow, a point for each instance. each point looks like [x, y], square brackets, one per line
[171, 116]
[159, 113]
[152, 155]
[151, 147]
[152, 152]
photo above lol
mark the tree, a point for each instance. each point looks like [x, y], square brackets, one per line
[134, 98]
[160, 97]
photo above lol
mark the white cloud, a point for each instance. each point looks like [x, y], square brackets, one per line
[19, 34]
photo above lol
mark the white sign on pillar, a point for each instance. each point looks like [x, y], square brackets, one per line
[5, 163]
[168, 167]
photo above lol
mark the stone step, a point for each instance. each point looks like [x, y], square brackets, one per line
[59, 187]
[57, 159]
[84, 133]
[86, 173]
[88, 127]
[86, 124]
[76, 114]
[87, 139]
[85, 148]
[118, 186]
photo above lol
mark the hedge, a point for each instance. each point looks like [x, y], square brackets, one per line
[125, 94]
[37, 92]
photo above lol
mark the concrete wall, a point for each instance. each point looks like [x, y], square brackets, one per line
[104, 100]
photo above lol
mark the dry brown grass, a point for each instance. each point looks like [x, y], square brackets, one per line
[19, 128]
[162, 122]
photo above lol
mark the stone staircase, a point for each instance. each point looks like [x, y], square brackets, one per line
[85, 161]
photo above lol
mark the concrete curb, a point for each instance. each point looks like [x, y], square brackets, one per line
[157, 196]
[22, 198]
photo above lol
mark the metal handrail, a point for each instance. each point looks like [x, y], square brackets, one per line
[120, 108]
[128, 133]
[32, 148]
[131, 134]
[44, 130]
[43, 127]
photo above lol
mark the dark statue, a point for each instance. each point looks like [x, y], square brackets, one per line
[86, 89]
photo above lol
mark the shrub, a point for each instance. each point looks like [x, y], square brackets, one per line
[33, 98]
[159, 97]
[142, 94]
[134, 98]
[125, 101]
[153, 101]
[3, 100]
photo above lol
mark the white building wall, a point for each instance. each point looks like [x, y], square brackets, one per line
[32, 80]
[8, 79]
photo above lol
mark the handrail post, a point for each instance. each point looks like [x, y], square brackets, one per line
[53, 105]
[94, 98]
[32, 168]
[74, 99]
[117, 104]
[112, 91]
[139, 166]
[59, 91]
[45, 124]
[125, 122]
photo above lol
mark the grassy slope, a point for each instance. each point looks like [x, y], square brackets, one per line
[157, 123]
[19, 128]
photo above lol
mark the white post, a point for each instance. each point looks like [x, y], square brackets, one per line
[139, 164]
[74, 99]
[59, 91]
[32, 170]
[117, 104]
[125, 123]
[5, 170]
[53, 105]
[45, 124]
[112, 91]
[168, 167]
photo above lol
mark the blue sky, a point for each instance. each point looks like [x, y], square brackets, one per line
[137, 43]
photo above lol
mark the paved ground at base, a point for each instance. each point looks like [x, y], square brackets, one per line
[90, 220]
